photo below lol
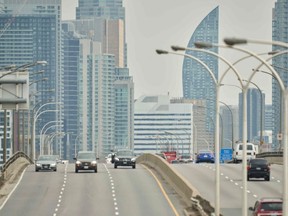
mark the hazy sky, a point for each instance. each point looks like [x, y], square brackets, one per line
[158, 24]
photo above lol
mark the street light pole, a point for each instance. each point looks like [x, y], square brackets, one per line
[234, 41]
[231, 123]
[217, 87]
[42, 144]
[35, 116]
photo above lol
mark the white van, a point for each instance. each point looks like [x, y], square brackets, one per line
[252, 150]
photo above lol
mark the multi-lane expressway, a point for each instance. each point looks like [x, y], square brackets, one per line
[202, 176]
[126, 191]
[121, 191]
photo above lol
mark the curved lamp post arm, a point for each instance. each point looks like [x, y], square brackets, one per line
[199, 45]
[191, 57]
[41, 132]
[231, 122]
[33, 129]
[235, 41]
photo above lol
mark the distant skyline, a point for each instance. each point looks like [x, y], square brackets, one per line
[152, 25]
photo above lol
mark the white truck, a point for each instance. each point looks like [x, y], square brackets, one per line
[252, 150]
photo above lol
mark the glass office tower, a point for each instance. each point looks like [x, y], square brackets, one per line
[197, 83]
[280, 64]
[30, 31]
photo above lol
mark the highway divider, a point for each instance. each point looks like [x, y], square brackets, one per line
[272, 157]
[10, 166]
[190, 195]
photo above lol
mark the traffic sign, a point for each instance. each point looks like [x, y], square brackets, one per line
[226, 154]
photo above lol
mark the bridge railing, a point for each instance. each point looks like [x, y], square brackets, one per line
[12, 159]
[272, 157]
[189, 194]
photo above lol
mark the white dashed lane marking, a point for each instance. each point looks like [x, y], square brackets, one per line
[113, 191]
[61, 191]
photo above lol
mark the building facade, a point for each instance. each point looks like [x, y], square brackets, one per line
[280, 64]
[30, 32]
[255, 114]
[197, 82]
[160, 125]
[105, 96]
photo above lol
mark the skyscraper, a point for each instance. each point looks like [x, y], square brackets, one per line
[254, 115]
[105, 89]
[197, 83]
[280, 64]
[31, 31]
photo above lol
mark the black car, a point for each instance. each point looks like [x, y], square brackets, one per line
[86, 160]
[124, 158]
[258, 168]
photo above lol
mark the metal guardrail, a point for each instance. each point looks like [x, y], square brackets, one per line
[12, 159]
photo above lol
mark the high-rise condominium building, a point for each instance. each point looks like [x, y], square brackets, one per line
[255, 114]
[105, 96]
[197, 83]
[31, 31]
[280, 64]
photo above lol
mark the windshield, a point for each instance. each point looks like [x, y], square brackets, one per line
[86, 155]
[248, 147]
[272, 206]
[47, 157]
[125, 153]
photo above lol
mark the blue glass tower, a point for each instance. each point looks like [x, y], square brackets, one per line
[280, 64]
[197, 83]
[34, 34]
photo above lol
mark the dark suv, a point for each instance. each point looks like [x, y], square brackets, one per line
[258, 168]
[124, 158]
[86, 160]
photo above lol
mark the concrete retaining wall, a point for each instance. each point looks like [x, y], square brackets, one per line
[189, 194]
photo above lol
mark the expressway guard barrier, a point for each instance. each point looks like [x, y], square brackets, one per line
[189, 194]
[272, 157]
[11, 166]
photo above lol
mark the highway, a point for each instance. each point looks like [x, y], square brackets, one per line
[126, 191]
[202, 176]
[121, 191]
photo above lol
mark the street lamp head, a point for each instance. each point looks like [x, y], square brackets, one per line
[202, 45]
[178, 48]
[161, 51]
[273, 52]
[42, 62]
[8, 67]
[234, 41]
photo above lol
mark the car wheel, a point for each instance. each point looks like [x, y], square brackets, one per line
[95, 170]
[134, 166]
[267, 178]
[76, 170]
[36, 170]
[115, 166]
[248, 179]
[55, 170]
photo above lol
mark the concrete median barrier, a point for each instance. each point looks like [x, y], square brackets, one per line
[190, 195]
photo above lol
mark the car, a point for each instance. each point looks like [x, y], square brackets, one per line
[267, 206]
[186, 158]
[205, 156]
[251, 152]
[46, 162]
[124, 157]
[85, 160]
[258, 168]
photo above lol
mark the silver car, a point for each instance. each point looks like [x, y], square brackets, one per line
[46, 162]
